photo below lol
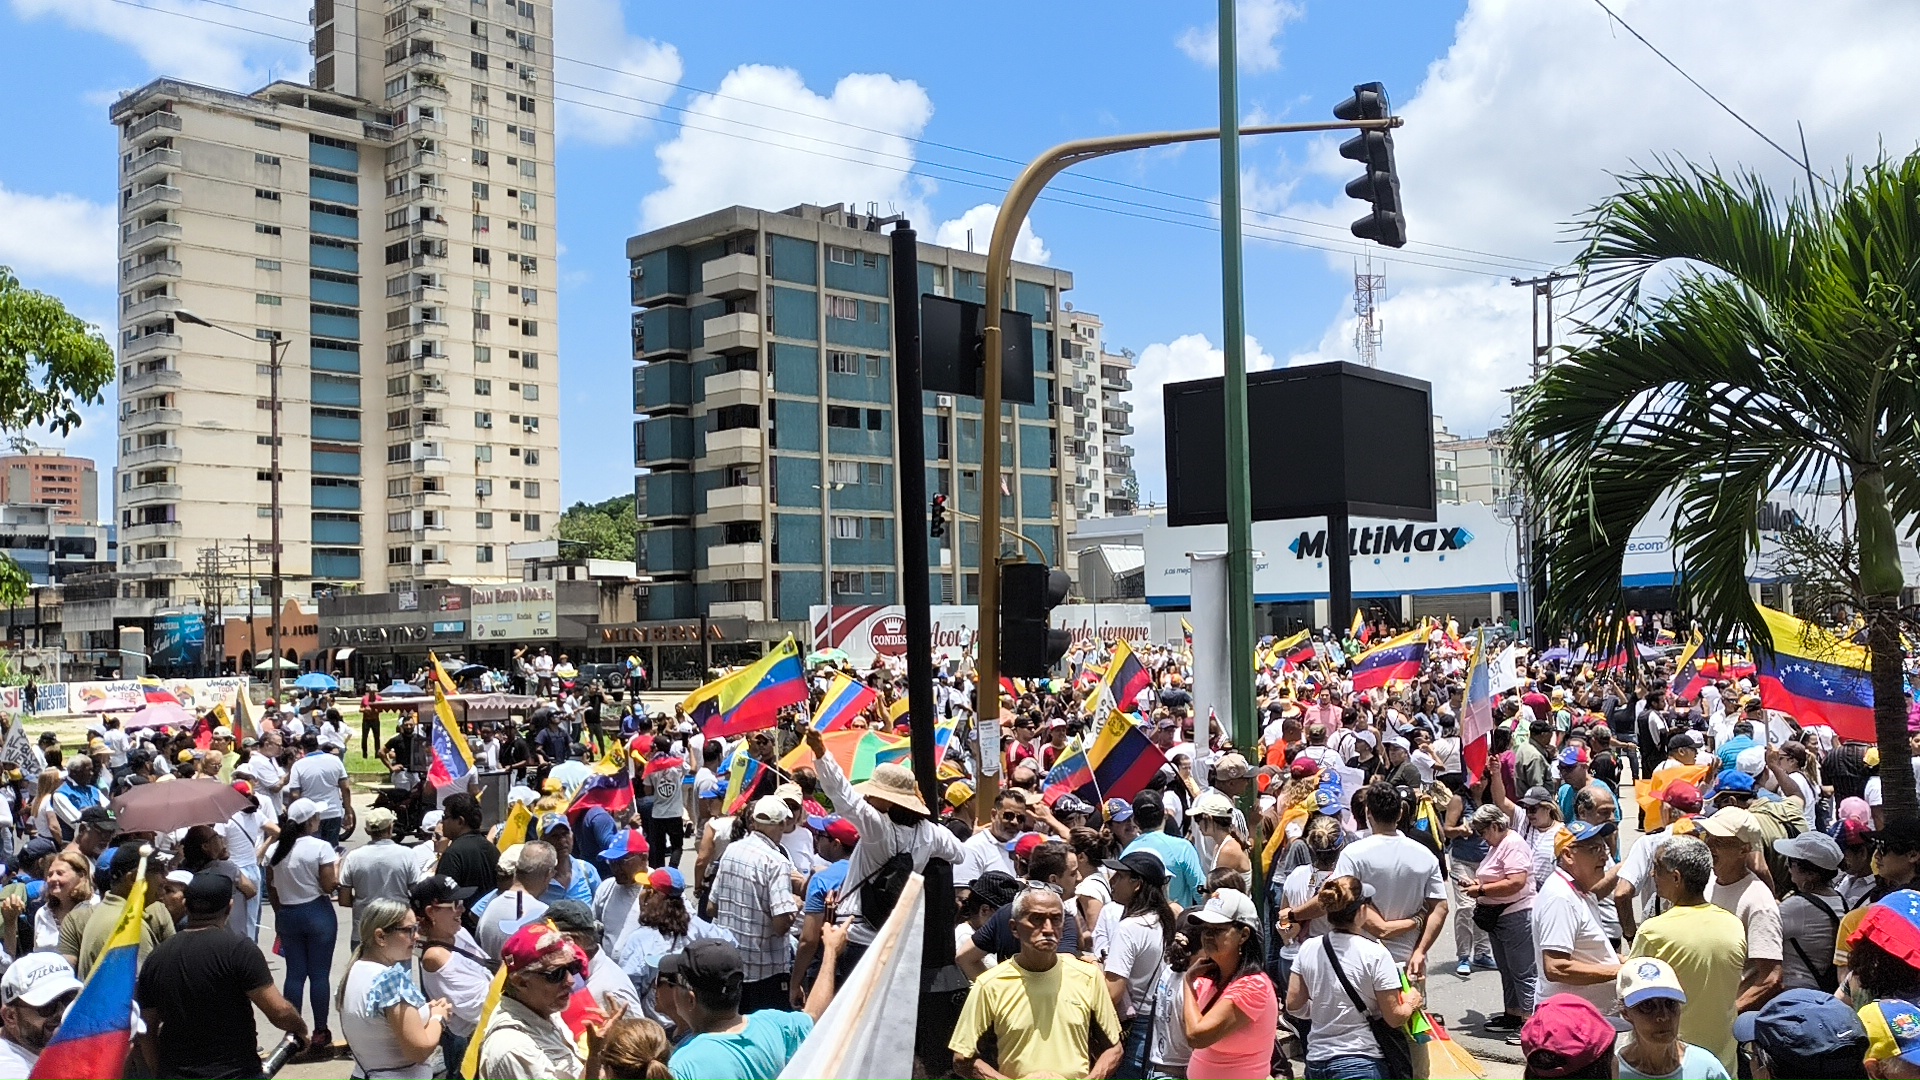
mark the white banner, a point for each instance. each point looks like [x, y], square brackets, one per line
[1212, 675]
[869, 1028]
[1503, 671]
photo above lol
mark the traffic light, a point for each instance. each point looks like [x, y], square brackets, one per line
[1379, 187]
[937, 524]
[1029, 592]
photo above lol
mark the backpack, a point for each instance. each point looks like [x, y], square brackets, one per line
[1829, 978]
[880, 890]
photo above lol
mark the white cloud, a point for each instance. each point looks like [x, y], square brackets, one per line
[1027, 247]
[1496, 155]
[851, 145]
[1257, 26]
[1190, 356]
[58, 236]
[594, 32]
[215, 47]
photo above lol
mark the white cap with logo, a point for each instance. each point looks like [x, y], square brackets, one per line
[38, 978]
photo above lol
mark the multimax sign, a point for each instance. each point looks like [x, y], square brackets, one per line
[1384, 540]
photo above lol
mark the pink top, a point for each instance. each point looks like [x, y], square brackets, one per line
[1247, 1052]
[1512, 856]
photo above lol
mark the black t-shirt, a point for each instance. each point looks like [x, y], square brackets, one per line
[198, 982]
[472, 861]
[403, 747]
[997, 936]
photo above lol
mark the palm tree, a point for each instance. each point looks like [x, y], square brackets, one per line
[1737, 343]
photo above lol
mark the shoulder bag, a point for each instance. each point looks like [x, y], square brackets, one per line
[1395, 1051]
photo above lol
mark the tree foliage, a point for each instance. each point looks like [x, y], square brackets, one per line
[51, 364]
[606, 528]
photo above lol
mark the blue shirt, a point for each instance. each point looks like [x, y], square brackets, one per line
[758, 1052]
[594, 834]
[1698, 1061]
[81, 797]
[823, 883]
[1568, 792]
[1182, 862]
[1729, 752]
[586, 882]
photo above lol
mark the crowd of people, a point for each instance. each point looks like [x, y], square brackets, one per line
[1758, 918]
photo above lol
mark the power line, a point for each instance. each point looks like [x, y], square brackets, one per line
[1273, 234]
[1697, 85]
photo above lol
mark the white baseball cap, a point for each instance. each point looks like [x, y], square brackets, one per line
[38, 978]
[1229, 906]
[772, 810]
[302, 810]
[1645, 978]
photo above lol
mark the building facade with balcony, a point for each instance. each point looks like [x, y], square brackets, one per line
[393, 222]
[763, 383]
[1094, 384]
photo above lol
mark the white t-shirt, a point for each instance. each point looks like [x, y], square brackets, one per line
[15, 1062]
[317, 776]
[1134, 954]
[984, 851]
[1749, 898]
[296, 879]
[1404, 875]
[376, 1049]
[266, 773]
[244, 831]
[1300, 886]
[504, 914]
[1338, 1030]
[1637, 870]
[1169, 1041]
[1566, 920]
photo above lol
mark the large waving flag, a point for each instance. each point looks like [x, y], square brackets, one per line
[440, 677]
[1123, 758]
[750, 699]
[1126, 676]
[98, 1029]
[1476, 733]
[452, 758]
[1072, 775]
[608, 786]
[1686, 676]
[1396, 659]
[846, 698]
[1277, 653]
[1816, 678]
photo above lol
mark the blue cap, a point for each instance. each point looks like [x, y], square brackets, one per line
[1733, 780]
[1579, 832]
[1804, 1024]
[818, 823]
[1119, 810]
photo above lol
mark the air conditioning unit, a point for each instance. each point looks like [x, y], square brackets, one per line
[944, 401]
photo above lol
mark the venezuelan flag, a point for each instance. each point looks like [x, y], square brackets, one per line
[1186, 631]
[1124, 680]
[897, 712]
[1477, 732]
[875, 749]
[607, 786]
[440, 677]
[846, 698]
[751, 698]
[452, 758]
[1816, 678]
[742, 778]
[1686, 676]
[1072, 775]
[1123, 758]
[1396, 659]
[98, 1030]
[1618, 658]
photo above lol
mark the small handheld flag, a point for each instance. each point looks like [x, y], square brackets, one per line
[452, 758]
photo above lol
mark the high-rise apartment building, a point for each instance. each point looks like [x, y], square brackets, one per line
[43, 477]
[393, 224]
[764, 381]
[1093, 382]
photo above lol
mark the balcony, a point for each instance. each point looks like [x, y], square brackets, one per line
[738, 332]
[424, 192]
[430, 429]
[146, 418]
[153, 305]
[151, 493]
[418, 159]
[735, 446]
[735, 388]
[152, 122]
[158, 530]
[418, 129]
[424, 60]
[157, 158]
[159, 196]
[744, 502]
[432, 466]
[417, 25]
[731, 275]
[158, 232]
[157, 567]
[750, 610]
[151, 455]
[431, 394]
[141, 382]
[152, 268]
[151, 343]
[735, 562]
[416, 93]
[421, 328]
[1115, 382]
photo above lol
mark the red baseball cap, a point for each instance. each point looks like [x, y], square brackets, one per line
[1304, 767]
[1682, 796]
[537, 944]
[1022, 846]
[1564, 1035]
[836, 828]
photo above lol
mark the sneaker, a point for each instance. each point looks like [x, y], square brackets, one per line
[1503, 1022]
[1485, 963]
[1465, 969]
[1513, 1039]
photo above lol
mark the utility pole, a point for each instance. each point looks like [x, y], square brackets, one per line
[1533, 571]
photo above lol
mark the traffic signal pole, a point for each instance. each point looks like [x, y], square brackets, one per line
[1006, 227]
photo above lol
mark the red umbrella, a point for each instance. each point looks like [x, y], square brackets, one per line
[176, 804]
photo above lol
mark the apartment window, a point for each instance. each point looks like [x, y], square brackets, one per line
[530, 391]
[528, 199]
[526, 136]
[874, 419]
[837, 254]
[482, 223]
[263, 298]
[483, 519]
[483, 452]
[529, 423]
[843, 363]
[483, 387]
[478, 60]
[528, 231]
[846, 528]
[397, 489]
[267, 159]
[484, 552]
[843, 307]
[480, 157]
[532, 457]
[266, 230]
[480, 126]
[842, 416]
[530, 360]
[531, 489]
[849, 583]
[873, 312]
[527, 169]
[529, 296]
[266, 264]
[531, 522]
[529, 328]
[482, 256]
[482, 321]
[483, 419]
[268, 124]
[400, 522]
[843, 472]
[481, 191]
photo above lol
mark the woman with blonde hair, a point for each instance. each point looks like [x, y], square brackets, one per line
[390, 1025]
[628, 1048]
[69, 884]
[46, 822]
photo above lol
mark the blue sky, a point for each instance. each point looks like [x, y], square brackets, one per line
[1517, 112]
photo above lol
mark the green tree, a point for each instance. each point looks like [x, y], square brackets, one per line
[1738, 342]
[51, 364]
[606, 528]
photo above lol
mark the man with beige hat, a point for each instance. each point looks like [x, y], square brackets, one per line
[1733, 836]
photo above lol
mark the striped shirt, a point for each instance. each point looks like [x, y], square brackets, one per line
[753, 886]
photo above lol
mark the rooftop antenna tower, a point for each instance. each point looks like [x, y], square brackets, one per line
[1367, 287]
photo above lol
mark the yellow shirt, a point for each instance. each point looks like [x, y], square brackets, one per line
[1707, 947]
[1041, 1018]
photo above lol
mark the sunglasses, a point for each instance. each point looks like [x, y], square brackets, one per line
[556, 976]
[1652, 1006]
[1034, 886]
